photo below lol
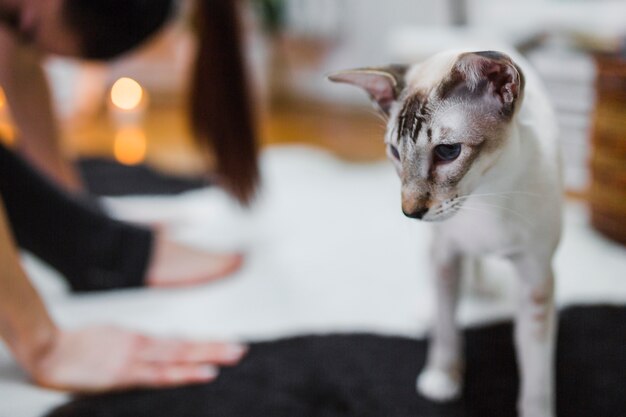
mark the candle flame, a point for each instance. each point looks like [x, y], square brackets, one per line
[126, 94]
[7, 130]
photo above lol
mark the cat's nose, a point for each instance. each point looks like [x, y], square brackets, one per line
[416, 213]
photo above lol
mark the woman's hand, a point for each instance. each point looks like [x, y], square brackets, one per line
[103, 358]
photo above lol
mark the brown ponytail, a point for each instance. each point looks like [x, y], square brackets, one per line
[222, 118]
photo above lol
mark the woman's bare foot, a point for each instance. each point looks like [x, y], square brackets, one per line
[177, 265]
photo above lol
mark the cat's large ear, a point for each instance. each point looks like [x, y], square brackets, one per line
[383, 85]
[488, 75]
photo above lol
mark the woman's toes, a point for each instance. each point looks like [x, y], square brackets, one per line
[177, 265]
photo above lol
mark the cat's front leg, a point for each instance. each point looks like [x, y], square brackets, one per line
[442, 377]
[535, 336]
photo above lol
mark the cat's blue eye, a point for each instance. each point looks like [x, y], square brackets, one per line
[394, 152]
[447, 153]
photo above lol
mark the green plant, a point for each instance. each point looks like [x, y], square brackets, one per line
[272, 13]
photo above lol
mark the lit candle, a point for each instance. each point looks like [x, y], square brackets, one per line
[7, 130]
[130, 145]
[127, 106]
[127, 102]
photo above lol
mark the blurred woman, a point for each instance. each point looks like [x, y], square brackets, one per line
[91, 250]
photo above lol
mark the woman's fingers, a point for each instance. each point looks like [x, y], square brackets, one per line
[159, 375]
[185, 352]
[104, 358]
[169, 362]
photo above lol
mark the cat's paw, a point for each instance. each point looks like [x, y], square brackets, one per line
[536, 408]
[541, 413]
[438, 385]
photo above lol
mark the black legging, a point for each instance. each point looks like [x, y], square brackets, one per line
[91, 250]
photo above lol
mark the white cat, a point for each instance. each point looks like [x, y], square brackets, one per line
[474, 141]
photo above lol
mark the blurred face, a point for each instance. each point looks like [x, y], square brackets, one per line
[41, 23]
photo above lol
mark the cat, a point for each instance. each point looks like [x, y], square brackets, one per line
[474, 142]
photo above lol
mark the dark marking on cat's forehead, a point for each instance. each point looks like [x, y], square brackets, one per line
[415, 114]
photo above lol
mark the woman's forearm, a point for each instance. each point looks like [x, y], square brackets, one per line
[28, 95]
[24, 322]
[66, 359]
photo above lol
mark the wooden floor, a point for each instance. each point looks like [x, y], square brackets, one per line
[355, 134]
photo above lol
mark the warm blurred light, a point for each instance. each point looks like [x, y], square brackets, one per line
[7, 130]
[126, 94]
[130, 146]
[3, 99]
[7, 133]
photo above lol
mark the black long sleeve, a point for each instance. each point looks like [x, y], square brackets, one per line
[91, 250]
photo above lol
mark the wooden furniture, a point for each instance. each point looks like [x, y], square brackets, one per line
[608, 162]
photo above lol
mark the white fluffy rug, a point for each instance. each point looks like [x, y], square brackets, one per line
[327, 250]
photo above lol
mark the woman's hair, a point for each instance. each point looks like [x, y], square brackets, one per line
[108, 28]
[222, 118]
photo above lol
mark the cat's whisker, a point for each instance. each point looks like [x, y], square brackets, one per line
[382, 127]
[379, 115]
[507, 194]
[508, 209]
[475, 209]
[444, 211]
[465, 198]
[380, 124]
[466, 207]
[516, 192]
[462, 203]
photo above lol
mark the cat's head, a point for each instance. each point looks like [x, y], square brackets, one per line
[448, 118]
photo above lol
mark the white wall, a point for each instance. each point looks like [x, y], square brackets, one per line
[600, 16]
[363, 27]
